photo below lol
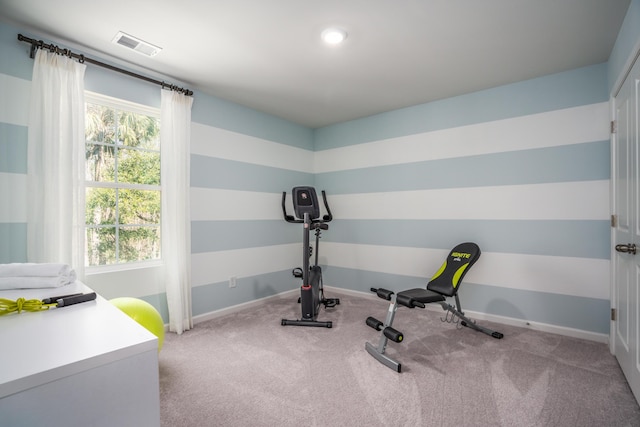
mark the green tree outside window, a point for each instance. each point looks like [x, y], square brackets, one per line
[123, 197]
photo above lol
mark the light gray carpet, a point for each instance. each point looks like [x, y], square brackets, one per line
[245, 369]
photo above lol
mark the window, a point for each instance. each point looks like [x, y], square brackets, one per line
[123, 197]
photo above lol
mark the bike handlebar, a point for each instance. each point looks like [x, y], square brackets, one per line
[290, 218]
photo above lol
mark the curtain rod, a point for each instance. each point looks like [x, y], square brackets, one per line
[39, 44]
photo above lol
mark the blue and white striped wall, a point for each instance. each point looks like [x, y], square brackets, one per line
[522, 170]
[237, 227]
[13, 173]
[15, 85]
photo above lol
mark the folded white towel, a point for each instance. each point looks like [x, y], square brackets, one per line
[32, 275]
[7, 283]
[30, 269]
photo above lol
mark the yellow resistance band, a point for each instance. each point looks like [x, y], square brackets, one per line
[8, 306]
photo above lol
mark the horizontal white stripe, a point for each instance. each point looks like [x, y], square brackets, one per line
[215, 142]
[212, 204]
[550, 129]
[214, 267]
[558, 275]
[16, 93]
[13, 193]
[584, 200]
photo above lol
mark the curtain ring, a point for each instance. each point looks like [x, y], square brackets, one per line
[81, 60]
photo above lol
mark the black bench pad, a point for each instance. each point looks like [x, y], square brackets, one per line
[422, 295]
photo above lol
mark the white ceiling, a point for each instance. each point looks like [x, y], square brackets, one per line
[267, 54]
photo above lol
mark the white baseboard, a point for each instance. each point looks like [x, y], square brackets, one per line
[543, 327]
[239, 307]
[536, 326]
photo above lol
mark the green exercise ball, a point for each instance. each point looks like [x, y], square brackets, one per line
[143, 313]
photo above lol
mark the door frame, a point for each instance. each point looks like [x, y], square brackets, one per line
[626, 70]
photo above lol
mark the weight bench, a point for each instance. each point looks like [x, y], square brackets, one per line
[445, 283]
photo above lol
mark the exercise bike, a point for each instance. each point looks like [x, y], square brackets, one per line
[307, 212]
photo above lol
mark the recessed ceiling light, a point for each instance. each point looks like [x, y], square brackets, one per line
[134, 43]
[334, 35]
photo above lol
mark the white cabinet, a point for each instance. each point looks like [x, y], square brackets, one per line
[84, 365]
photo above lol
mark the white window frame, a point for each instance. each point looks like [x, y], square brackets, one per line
[123, 105]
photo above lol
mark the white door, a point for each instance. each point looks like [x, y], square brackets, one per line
[626, 234]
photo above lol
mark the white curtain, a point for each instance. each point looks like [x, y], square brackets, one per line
[175, 140]
[55, 219]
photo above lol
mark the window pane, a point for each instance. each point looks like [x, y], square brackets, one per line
[138, 166]
[100, 206]
[139, 243]
[138, 207]
[101, 246]
[138, 130]
[100, 164]
[122, 149]
[100, 124]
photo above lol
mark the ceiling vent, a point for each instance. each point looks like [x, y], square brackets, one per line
[140, 46]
